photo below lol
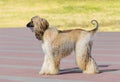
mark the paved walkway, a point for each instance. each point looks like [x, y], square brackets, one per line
[21, 58]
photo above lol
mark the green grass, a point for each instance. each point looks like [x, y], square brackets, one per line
[64, 14]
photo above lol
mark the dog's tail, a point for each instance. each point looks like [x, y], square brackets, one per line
[93, 31]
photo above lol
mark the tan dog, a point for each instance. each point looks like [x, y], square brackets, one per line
[57, 44]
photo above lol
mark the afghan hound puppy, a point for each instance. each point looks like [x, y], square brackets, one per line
[58, 44]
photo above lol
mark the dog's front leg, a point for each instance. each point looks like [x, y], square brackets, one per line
[50, 65]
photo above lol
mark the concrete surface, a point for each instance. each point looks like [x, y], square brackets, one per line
[21, 58]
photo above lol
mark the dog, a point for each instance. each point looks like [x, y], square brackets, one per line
[58, 44]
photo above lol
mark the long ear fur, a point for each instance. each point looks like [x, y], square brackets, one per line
[40, 26]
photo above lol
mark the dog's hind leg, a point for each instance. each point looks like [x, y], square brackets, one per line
[83, 56]
[91, 67]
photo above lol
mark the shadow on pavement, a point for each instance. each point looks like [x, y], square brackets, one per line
[77, 70]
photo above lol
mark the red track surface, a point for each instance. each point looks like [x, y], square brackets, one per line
[21, 58]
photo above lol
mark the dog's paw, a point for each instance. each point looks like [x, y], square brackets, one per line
[47, 73]
[42, 73]
[90, 72]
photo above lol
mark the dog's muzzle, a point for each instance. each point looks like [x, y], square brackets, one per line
[31, 26]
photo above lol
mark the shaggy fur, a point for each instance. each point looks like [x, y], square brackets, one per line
[58, 44]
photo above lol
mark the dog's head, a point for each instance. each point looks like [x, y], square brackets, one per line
[38, 25]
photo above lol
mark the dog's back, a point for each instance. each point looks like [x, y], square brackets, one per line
[93, 31]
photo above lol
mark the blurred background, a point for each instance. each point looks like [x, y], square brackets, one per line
[64, 14]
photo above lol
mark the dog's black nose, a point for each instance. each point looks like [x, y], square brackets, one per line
[27, 25]
[30, 25]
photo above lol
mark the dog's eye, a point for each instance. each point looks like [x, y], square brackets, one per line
[31, 20]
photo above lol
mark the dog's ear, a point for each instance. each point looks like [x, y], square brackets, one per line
[39, 35]
[41, 25]
[44, 24]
